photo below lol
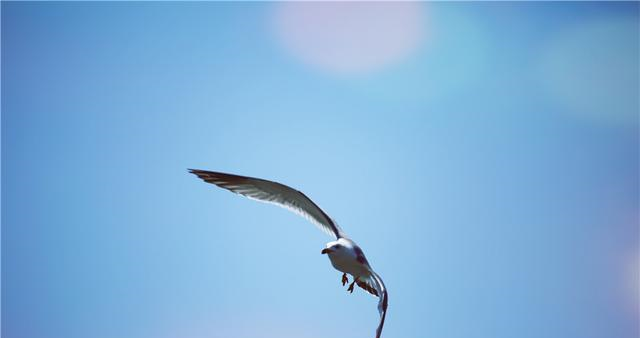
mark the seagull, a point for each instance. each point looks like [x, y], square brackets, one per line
[345, 255]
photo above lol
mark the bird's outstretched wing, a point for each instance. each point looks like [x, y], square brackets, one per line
[274, 193]
[382, 302]
[368, 284]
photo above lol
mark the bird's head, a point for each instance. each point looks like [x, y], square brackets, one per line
[333, 247]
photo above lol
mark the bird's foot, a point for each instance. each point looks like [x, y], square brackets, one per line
[345, 280]
[350, 289]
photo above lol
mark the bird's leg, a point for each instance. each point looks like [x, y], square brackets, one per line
[350, 289]
[345, 280]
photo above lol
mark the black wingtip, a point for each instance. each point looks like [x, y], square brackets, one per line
[197, 172]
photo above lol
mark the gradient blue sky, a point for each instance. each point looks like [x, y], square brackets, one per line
[490, 171]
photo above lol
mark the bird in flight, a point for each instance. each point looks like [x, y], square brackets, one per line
[345, 255]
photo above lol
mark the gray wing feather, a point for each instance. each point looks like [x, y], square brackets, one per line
[273, 193]
[382, 302]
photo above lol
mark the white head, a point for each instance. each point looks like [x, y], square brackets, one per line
[339, 246]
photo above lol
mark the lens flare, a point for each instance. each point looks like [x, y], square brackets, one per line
[349, 37]
[592, 70]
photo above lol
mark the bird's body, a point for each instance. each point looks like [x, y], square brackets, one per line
[345, 255]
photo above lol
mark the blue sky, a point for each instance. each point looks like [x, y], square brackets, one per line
[484, 155]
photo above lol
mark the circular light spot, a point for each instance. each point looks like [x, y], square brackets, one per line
[454, 58]
[593, 70]
[350, 37]
[634, 281]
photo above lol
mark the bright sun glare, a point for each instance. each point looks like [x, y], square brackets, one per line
[349, 37]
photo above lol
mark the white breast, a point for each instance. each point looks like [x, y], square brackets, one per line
[347, 262]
